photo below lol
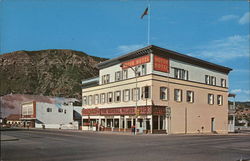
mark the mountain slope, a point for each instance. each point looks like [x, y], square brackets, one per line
[47, 72]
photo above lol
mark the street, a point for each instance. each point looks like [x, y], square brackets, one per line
[78, 145]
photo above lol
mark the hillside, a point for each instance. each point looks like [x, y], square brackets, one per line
[46, 72]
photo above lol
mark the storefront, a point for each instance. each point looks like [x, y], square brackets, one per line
[146, 119]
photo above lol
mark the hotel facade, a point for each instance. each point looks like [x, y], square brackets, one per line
[157, 90]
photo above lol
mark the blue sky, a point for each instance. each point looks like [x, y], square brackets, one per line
[216, 31]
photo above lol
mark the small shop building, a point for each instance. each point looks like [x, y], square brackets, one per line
[45, 115]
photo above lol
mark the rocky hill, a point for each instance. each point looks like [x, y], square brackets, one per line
[46, 72]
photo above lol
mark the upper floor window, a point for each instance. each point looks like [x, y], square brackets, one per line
[135, 94]
[163, 93]
[210, 99]
[210, 80]
[125, 74]
[27, 110]
[117, 96]
[141, 70]
[190, 96]
[180, 74]
[178, 95]
[110, 97]
[213, 80]
[102, 99]
[219, 100]
[49, 109]
[207, 79]
[96, 99]
[90, 100]
[223, 83]
[84, 100]
[118, 76]
[105, 79]
[138, 70]
[126, 95]
[145, 92]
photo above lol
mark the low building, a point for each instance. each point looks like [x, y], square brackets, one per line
[158, 91]
[45, 115]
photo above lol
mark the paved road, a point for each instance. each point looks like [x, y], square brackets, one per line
[67, 145]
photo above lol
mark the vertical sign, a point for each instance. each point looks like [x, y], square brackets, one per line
[161, 64]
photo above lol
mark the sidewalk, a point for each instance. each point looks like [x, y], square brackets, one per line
[8, 138]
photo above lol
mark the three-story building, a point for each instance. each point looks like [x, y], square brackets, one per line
[157, 90]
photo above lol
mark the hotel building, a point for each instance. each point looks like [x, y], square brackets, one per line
[157, 90]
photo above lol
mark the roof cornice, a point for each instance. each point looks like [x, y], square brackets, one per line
[166, 53]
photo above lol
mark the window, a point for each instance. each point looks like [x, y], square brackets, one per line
[84, 100]
[138, 70]
[90, 100]
[135, 94]
[126, 95]
[117, 96]
[190, 96]
[180, 74]
[110, 97]
[210, 80]
[223, 82]
[163, 93]
[49, 109]
[207, 79]
[96, 99]
[30, 110]
[125, 74]
[219, 100]
[105, 79]
[143, 69]
[178, 95]
[213, 80]
[60, 110]
[118, 76]
[145, 92]
[210, 99]
[102, 98]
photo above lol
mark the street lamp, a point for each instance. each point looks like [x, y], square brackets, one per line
[135, 71]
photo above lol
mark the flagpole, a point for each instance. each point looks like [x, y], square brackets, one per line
[149, 13]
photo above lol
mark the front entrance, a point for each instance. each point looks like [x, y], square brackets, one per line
[212, 125]
[159, 124]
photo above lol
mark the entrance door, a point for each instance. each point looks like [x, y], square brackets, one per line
[155, 122]
[212, 125]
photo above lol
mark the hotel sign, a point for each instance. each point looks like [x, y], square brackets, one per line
[142, 110]
[126, 111]
[161, 64]
[135, 62]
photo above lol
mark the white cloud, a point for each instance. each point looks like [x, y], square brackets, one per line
[228, 17]
[245, 18]
[232, 47]
[236, 91]
[243, 91]
[128, 48]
